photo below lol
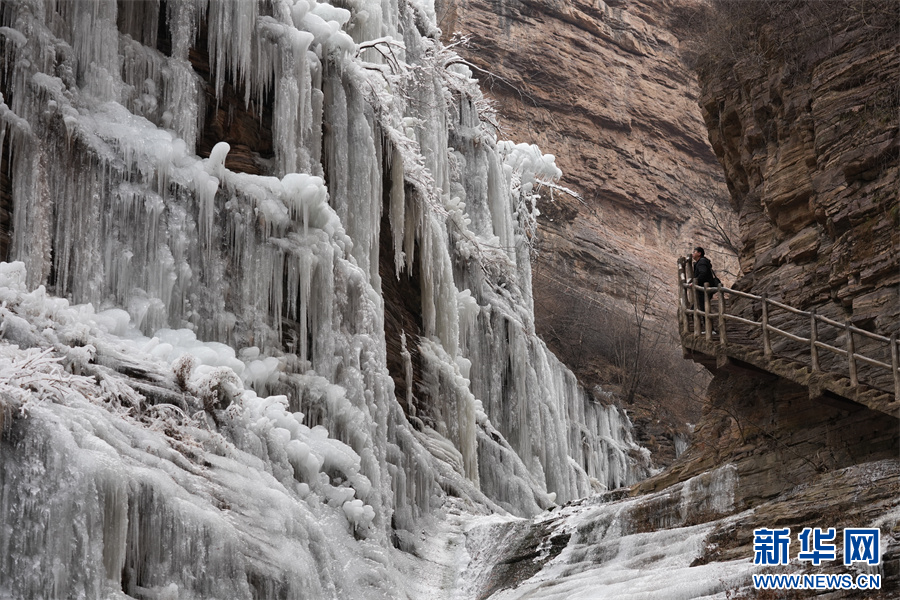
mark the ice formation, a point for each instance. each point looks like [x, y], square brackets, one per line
[210, 412]
[644, 548]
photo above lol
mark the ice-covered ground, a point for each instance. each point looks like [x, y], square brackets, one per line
[598, 551]
[691, 540]
[688, 541]
[596, 548]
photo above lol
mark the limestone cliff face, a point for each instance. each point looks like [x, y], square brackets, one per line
[603, 88]
[806, 127]
[802, 110]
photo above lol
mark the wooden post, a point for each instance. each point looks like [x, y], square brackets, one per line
[813, 338]
[851, 355]
[767, 343]
[895, 364]
[682, 298]
[689, 273]
[707, 321]
[723, 337]
[696, 310]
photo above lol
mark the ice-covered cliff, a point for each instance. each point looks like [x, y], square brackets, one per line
[258, 376]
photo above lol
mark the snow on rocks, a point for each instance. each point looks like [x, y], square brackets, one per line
[256, 442]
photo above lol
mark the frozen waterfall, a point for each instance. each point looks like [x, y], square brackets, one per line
[222, 381]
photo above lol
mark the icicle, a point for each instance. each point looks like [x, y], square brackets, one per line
[397, 210]
[231, 25]
[407, 373]
[183, 90]
[307, 266]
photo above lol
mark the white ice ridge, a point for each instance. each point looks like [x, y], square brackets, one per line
[230, 286]
[641, 548]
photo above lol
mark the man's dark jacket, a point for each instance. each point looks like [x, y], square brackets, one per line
[703, 272]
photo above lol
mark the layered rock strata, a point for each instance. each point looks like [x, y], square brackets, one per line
[777, 436]
[806, 128]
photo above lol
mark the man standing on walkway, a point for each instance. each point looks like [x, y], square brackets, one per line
[703, 273]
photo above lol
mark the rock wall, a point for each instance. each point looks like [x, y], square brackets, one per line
[801, 107]
[778, 437]
[806, 128]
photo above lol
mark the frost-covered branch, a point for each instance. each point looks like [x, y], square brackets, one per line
[26, 375]
[553, 186]
[385, 47]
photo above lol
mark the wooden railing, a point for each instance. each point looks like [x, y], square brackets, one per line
[875, 361]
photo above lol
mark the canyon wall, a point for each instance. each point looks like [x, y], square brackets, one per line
[801, 101]
[805, 122]
[802, 109]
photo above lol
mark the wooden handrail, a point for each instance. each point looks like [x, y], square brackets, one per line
[688, 307]
[682, 306]
[777, 304]
[851, 358]
[872, 361]
[787, 334]
[706, 318]
[723, 330]
[797, 311]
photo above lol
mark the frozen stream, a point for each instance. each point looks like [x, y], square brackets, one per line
[591, 550]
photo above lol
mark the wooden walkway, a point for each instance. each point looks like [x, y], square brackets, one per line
[839, 363]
